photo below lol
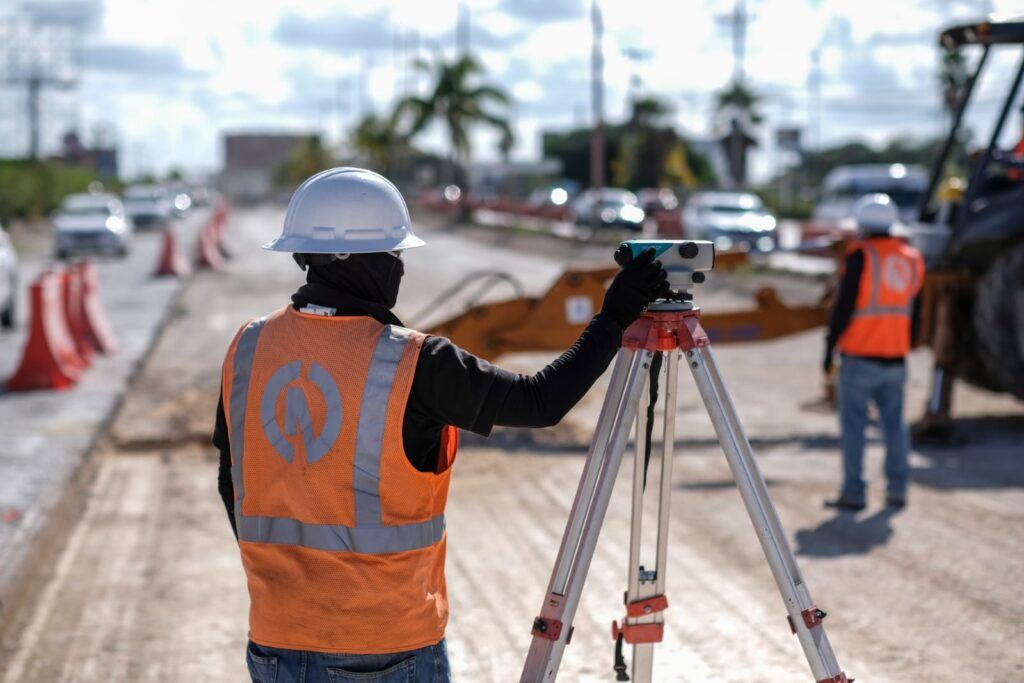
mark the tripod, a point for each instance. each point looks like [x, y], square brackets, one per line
[660, 335]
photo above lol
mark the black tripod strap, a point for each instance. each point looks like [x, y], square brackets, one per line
[655, 373]
[620, 662]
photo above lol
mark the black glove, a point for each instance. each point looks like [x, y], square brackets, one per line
[641, 281]
[827, 363]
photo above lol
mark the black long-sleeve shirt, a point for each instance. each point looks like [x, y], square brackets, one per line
[454, 387]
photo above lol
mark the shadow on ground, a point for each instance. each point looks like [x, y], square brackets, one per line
[986, 453]
[846, 534]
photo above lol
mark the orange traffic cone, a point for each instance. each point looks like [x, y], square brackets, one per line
[209, 255]
[172, 262]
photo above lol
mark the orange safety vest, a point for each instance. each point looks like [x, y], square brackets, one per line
[892, 277]
[342, 539]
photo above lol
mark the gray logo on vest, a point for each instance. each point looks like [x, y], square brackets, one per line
[297, 415]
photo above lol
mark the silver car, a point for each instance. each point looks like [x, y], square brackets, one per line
[8, 281]
[91, 223]
[732, 220]
[148, 207]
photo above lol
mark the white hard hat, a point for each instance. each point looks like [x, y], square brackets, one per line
[346, 211]
[876, 213]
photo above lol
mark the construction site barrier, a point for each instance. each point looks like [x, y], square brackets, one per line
[172, 262]
[74, 313]
[49, 360]
[96, 331]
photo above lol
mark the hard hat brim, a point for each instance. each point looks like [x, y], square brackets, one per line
[300, 244]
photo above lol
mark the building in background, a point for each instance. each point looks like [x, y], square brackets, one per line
[101, 160]
[252, 162]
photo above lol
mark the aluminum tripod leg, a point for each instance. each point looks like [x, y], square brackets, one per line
[644, 583]
[553, 627]
[804, 617]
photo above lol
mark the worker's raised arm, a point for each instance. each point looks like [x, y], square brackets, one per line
[455, 387]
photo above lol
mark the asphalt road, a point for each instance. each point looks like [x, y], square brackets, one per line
[149, 586]
[47, 433]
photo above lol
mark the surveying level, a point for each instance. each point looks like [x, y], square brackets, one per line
[669, 330]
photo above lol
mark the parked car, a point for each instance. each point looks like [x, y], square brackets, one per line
[612, 207]
[732, 220]
[654, 200]
[93, 223]
[844, 185]
[8, 281]
[148, 207]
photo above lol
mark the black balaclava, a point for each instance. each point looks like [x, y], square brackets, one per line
[360, 283]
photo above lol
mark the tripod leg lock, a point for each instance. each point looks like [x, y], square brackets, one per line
[840, 678]
[647, 606]
[638, 633]
[544, 627]
[812, 616]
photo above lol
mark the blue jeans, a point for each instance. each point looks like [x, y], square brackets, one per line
[274, 665]
[862, 381]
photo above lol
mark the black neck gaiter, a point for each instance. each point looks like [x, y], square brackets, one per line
[358, 285]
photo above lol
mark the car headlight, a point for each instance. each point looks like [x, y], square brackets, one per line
[633, 214]
[114, 224]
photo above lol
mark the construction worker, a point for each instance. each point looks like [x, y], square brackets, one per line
[871, 326]
[338, 428]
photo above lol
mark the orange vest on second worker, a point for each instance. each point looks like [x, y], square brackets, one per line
[892, 277]
[342, 539]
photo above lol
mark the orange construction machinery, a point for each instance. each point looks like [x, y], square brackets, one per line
[553, 321]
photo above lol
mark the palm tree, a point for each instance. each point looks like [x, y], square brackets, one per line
[458, 102]
[736, 100]
[378, 140]
[737, 113]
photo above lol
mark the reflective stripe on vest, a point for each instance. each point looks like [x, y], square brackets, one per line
[369, 536]
[873, 263]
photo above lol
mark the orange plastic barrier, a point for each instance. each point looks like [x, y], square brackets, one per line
[49, 360]
[96, 331]
[74, 312]
[172, 261]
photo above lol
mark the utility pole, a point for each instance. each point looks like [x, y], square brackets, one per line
[597, 101]
[814, 101]
[463, 30]
[36, 57]
[737, 21]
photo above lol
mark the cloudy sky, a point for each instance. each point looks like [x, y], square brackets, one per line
[166, 78]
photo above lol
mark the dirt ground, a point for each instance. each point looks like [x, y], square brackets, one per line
[149, 586]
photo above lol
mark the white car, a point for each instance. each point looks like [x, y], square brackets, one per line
[844, 185]
[611, 206]
[91, 223]
[732, 220]
[149, 207]
[8, 281]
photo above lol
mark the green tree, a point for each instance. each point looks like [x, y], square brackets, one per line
[378, 140]
[309, 158]
[459, 102]
[737, 100]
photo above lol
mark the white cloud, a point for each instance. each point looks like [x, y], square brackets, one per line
[877, 61]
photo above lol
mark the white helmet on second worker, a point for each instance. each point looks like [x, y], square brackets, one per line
[346, 211]
[877, 214]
